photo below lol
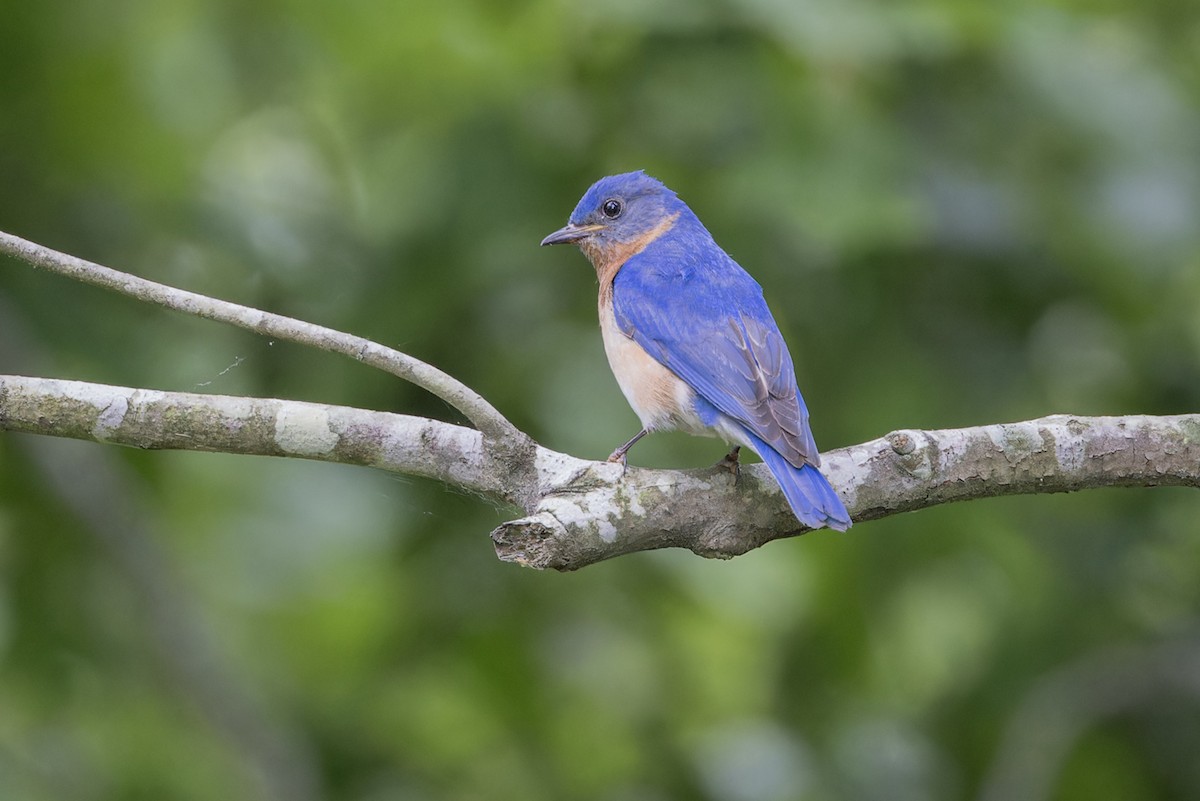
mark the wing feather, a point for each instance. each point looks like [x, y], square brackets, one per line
[705, 319]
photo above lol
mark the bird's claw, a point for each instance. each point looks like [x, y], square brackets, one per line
[618, 457]
[730, 462]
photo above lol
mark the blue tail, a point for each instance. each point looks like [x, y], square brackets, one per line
[807, 491]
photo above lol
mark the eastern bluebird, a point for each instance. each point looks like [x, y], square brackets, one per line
[690, 338]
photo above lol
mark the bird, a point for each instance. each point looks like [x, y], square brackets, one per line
[690, 339]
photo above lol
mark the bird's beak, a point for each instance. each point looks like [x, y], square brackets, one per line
[571, 233]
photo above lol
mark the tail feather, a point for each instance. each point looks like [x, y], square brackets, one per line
[808, 492]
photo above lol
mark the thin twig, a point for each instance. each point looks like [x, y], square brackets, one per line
[494, 426]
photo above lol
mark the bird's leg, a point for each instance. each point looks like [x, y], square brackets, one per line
[730, 462]
[619, 454]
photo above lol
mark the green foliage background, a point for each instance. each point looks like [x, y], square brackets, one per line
[962, 213]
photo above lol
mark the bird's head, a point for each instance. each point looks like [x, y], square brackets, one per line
[618, 214]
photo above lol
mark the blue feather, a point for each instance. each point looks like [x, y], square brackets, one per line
[812, 499]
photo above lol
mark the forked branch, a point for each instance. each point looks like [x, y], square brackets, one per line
[481, 413]
[579, 512]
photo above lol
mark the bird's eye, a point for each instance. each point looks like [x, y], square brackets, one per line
[612, 208]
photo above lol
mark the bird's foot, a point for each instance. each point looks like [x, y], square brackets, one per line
[731, 463]
[618, 455]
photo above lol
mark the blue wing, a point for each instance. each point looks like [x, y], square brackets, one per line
[702, 316]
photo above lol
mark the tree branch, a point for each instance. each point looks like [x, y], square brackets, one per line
[481, 413]
[600, 515]
[580, 512]
[145, 418]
